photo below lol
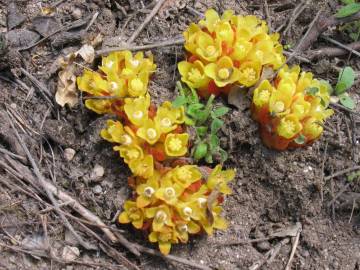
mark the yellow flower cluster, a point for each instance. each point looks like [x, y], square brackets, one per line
[227, 50]
[177, 202]
[120, 75]
[172, 199]
[291, 110]
[147, 135]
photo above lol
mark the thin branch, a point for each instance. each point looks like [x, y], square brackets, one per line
[49, 193]
[332, 51]
[146, 21]
[323, 22]
[171, 42]
[293, 250]
[337, 43]
[342, 172]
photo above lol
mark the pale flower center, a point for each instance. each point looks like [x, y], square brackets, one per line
[151, 133]
[126, 139]
[169, 193]
[224, 73]
[134, 62]
[165, 122]
[175, 144]
[183, 174]
[149, 191]
[279, 106]
[202, 202]
[288, 126]
[160, 216]
[133, 154]
[138, 114]
[137, 85]
[114, 85]
[109, 64]
[194, 74]
[183, 228]
[249, 73]
[210, 50]
[187, 211]
[264, 96]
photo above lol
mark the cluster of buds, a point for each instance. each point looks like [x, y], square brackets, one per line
[120, 75]
[228, 50]
[291, 110]
[171, 198]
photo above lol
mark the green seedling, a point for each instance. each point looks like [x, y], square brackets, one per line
[345, 82]
[350, 8]
[205, 118]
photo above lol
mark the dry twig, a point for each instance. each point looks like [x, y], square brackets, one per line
[146, 21]
[293, 250]
[45, 186]
[170, 42]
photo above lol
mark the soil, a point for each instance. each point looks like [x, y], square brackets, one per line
[272, 190]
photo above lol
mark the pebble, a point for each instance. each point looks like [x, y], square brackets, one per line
[97, 189]
[69, 154]
[76, 13]
[97, 173]
[70, 253]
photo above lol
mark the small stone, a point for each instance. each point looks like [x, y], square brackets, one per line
[70, 253]
[97, 173]
[76, 13]
[13, 105]
[69, 154]
[97, 189]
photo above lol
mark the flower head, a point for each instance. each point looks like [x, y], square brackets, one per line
[149, 131]
[132, 214]
[142, 167]
[176, 144]
[222, 72]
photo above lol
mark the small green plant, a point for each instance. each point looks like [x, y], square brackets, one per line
[205, 118]
[351, 29]
[345, 82]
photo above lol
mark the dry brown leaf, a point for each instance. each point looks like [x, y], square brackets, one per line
[66, 87]
[87, 52]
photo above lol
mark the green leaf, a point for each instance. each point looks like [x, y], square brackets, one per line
[200, 151]
[201, 131]
[347, 101]
[221, 111]
[209, 158]
[345, 81]
[179, 101]
[195, 107]
[353, 176]
[214, 142]
[348, 10]
[223, 155]
[189, 121]
[312, 91]
[216, 124]
[346, 2]
[300, 139]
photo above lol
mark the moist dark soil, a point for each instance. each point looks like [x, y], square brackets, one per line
[272, 190]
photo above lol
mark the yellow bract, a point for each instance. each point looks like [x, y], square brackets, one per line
[132, 214]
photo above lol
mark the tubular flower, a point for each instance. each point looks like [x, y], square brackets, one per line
[164, 239]
[292, 112]
[146, 191]
[176, 144]
[232, 48]
[166, 118]
[161, 217]
[130, 152]
[193, 74]
[169, 191]
[132, 214]
[142, 167]
[136, 109]
[218, 179]
[121, 75]
[185, 175]
[223, 72]
[149, 131]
